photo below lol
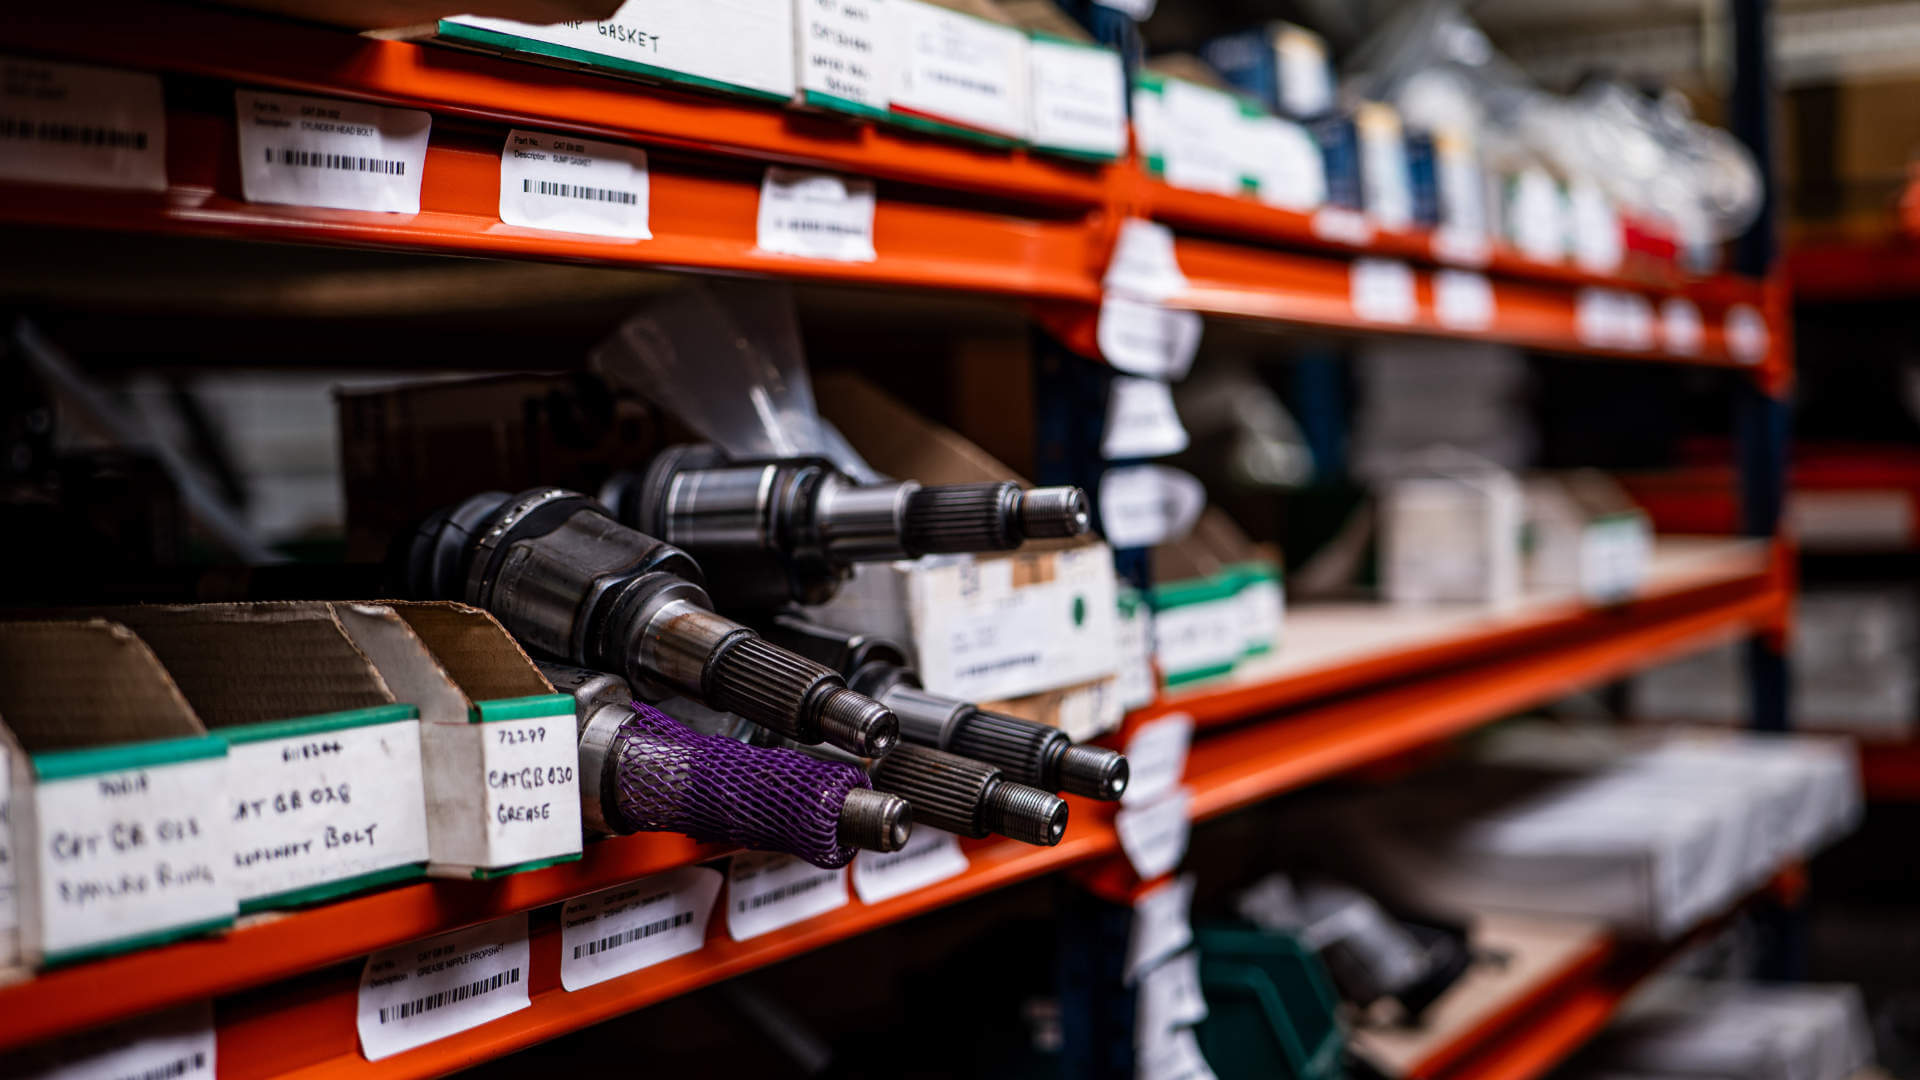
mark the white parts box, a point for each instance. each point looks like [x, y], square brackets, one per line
[1694, 1028]
[118, 827]
[1452, 539]
[958, 73]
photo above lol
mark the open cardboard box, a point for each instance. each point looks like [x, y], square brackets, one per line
[119, 822]
[500, 746]
[1013, 630]
[323, 794]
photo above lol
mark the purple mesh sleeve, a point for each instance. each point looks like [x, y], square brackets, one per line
[670, 778]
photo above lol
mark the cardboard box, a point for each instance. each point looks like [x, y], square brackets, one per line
[323, 794]
[844, 56]
[985, 628]
[960, 68]
[1077, 87]
[741, 47]
[500, 747]
[1583, 535]
[1452, 538]
[1188, 126]
[119, 828]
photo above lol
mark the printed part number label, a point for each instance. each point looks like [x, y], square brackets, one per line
[311, 809]
[533, 788]
[1079, 98]
[411, 995]
[1141, 420]
[816, 216]
[174, 1045]
[1153, 834]
[81, 126]
[1147, 339]
[1161, 926]
[346, 155]
[1463, 300]
[568, 184]
[766, 892]
[620, 930]
[1382, 291]
[930, 855]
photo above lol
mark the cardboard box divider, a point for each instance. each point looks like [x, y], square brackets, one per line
[115, 797]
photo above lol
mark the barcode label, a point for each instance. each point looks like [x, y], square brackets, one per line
[768, 892]
[620, 930]
[816, 215]
[174, 1045]
[930, 855]
[346, 155]
[412, 994]
[313, 159]
[452, 996]
[81, 126]
[562, 183]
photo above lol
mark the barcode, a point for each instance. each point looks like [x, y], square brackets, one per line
[192, 1063]
[314, 159]
[785, 891]
[638, 933]
[577, 191]
[448, 997]
[15, 127]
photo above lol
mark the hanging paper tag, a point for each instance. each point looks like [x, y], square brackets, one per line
[1141, 420]
[1143, 264]
[1153, 834]
[1177, 1057]
[1463, 300]
[766, 892]
[81, 126]
[930, 855]
[1340, 225]
[570, 184]
[1157, 756]
[414, 994]
[1169, 997]
[1382, 291]
[1161, 926]
[620, 930]
[1747, 337]
[816, 216]
[1146, 339]
[347, 155]
[1148, 505]
[1680, 326]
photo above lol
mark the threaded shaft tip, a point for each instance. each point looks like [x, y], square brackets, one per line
[856, 723]
[1026, 814]
[1094, 771]
[875, 821]
[1054, 512]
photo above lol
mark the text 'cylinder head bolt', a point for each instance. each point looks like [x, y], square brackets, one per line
[644, 771]
[573, 584]
[789, 530]
[1027, 752]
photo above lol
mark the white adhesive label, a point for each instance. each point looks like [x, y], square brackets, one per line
[129, 853]
[312, 809]
[414, 994]
[1339, 225]
[1614, 555]
[1148, 505]
[1747, 337]
[1153, 835]
[1460, 246]
[844, 51]
[744, 44]
[1161, 925]
[1177, 1057]
[1612, 319]
[1681, 327]
[1157, 757]
[569, 184]
[930, 855]
[1147, 339]
[766, 892]
[992, 629]
[1382, 291]
[1463, 300]
[1284, 162]
[1141, 420]
[177, 1044]
[1196, 639]
[1079, 98]
[532, 770]
[1143, 266]
[618, 931]
[816, 216]
[347, 155]
[960, 68]
[1598, 242]
[81, 126]
[1168, 997]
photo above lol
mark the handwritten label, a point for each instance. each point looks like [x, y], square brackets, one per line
[959, 68]
[1382, 291]
[1463, 300]
[81, 126]
[1141, 420]
[1161, 926]
[1148, 505]
[129, 853]
[1144, 266]
[930, 855]
[348, 155]
[1153, 833]
[413, 994]
[1168, 997]
[177, 1044]
[1079, 98]
[1747, 337]
[1681, 327]
[620, 930]
[844, 51]
[568, 184]
[1146, 339]
[766, 892]
[306, 810]
[533, 788]
[816, 216]
[1157, 757]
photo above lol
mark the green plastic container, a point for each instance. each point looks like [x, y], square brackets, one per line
[1270, 1007]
